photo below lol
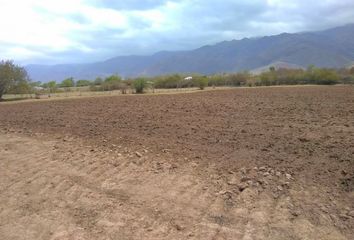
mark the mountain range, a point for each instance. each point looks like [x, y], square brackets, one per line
[329, 48]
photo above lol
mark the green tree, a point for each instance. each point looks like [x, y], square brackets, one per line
[325, 76]
[83, 83]
[113, 78]
[201, 82]
[139, 85]
[238, 79]
[68, 83]
[111, 83]
[35, 84]
[12, 77]
[22, 87]
[52, 85]
[98, 81]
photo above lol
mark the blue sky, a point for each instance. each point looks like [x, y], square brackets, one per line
[76, 31]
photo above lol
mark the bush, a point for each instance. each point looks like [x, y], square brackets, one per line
[168, 81]
[123, 87]
[68, 83]
[83, 83]
[111, 83]
[325, 76]
[238, 79]
[201, 82]
[139, 85]
[97, 81]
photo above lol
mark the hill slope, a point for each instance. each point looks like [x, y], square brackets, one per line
[330, 48]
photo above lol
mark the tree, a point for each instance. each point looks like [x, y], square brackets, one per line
[68, 83]
[22, 87]
[325, 76]
[351, 71]
[52, 85]
[238, 79]
[111, 83]
[83, 83]
[12, 77]
[201, 82]
[98, 81]
[140, 85]
[113, 78]
[123, 87]
[35, 84]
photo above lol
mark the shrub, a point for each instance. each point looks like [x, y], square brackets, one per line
[123, 87]
[68, 83]
[238, 79]
[201, 82]
[168, 81]
[325, 76]
[139, 85]
[111, 83]
[83, 83]
[97, 81]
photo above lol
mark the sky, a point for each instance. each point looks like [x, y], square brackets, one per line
[81, 31]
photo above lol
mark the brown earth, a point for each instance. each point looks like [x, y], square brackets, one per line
[257, 163]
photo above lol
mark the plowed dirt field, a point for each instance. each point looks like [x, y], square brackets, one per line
[252, 163]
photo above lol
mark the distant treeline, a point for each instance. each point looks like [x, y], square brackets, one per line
[282, 76]
[312, 75]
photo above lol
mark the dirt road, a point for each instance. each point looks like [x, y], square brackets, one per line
[271, 163]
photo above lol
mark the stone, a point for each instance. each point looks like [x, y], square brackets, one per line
[285, 184]
[224, 192]
[262, 168]
[288, 176]
[266, 174]
[245, 179]
[351, 213]
[242, 186]
[232, 182]
[179, 227]
[138, 154]
[344, 216]
[295, 213]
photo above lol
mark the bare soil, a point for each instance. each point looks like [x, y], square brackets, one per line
[257, 163]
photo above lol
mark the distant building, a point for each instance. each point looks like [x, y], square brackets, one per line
[38, 88]
[188, 78]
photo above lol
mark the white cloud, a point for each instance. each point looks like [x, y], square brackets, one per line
[22, 25]
[89, 30]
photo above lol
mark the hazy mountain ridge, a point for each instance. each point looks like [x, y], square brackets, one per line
[330, 48]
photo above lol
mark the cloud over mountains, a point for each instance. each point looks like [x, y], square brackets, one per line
[38, 31]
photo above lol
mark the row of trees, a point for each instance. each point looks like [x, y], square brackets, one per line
[115, 82]
[311, 75]
[14, 79]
